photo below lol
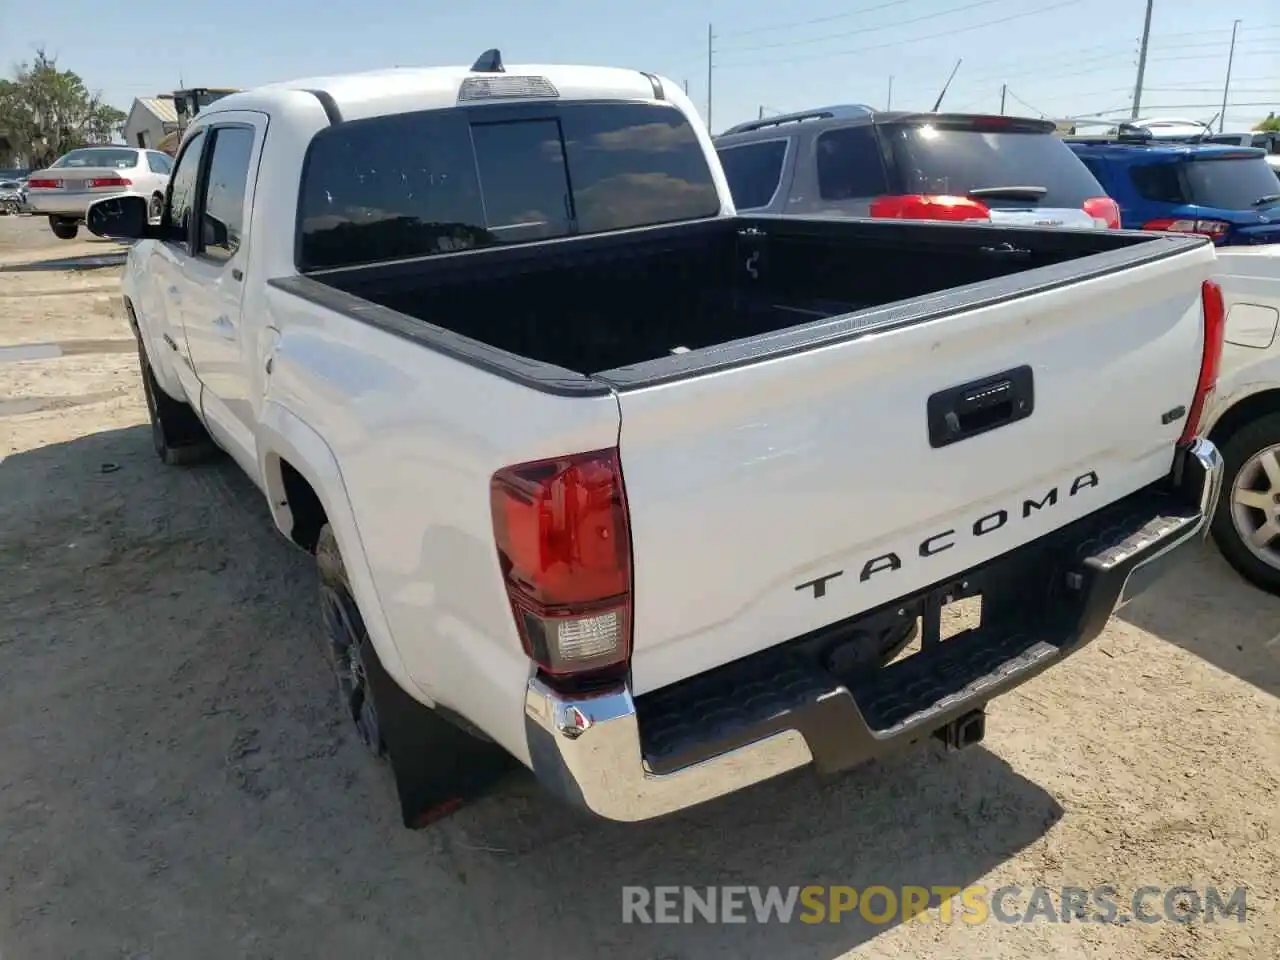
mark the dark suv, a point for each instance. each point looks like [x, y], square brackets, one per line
[855, 161]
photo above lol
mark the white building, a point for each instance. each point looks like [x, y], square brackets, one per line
[150, 120]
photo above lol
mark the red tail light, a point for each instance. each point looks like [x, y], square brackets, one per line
[1105, 212]
[1215, 328]
[925, 207]
[564, 546]
[44, 184]
[1208, 228]
[109, 182]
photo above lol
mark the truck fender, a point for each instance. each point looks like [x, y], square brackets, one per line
[1264, 378]
[159, 355]
[284, 436]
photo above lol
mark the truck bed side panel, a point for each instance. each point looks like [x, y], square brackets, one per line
[417, 435]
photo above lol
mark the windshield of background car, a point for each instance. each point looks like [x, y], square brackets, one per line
[1230, 184]
[416, 184]
[98, 157]
[952, 162]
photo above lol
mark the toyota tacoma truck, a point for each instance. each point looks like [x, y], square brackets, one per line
[656, 499]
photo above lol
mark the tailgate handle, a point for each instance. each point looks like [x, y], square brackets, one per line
[978, 406]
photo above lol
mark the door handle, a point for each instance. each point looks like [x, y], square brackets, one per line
[225, 327]
[237, 273]
[972, 408]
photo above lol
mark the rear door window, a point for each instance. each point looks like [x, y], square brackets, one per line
[417, 184]
[1230, 184]
[1159, 182]
[850, 164]
[754, 171]
[954, 160]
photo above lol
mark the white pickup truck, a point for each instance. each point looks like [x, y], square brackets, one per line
[649, 496]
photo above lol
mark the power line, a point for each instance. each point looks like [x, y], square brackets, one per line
[865, 30]
[916, 39]
[817, 20]
[1014, 96]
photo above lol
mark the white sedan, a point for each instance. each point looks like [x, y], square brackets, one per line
[1244, 418]
[64, 190]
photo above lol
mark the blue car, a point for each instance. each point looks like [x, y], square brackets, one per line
[1227, 193]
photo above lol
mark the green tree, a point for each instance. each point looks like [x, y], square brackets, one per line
[44, 112]
[1271, 124]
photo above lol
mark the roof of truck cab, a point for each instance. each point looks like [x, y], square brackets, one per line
[403, 89]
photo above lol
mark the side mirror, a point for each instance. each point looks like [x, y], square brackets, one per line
[120, 218]
[215, 232]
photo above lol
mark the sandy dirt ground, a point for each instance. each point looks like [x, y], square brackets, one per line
[176, 781]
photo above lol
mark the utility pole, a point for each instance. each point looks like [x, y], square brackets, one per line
[686, 86]
[889, 103]
[1004, 89]
[1142, 63]
[710, 38]
[760, 113]
[1226, 87]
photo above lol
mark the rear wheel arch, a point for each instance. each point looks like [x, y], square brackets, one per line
[314, 495]
[1243, 412]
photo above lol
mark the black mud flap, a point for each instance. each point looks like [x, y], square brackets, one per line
[437, 766]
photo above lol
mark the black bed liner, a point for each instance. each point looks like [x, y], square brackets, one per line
[765, 287]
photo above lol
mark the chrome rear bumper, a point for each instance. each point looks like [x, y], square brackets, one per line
[599, 751]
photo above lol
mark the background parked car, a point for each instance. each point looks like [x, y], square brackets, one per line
[1227, 193]
[1268, 140]
[1243, 419]
[64, 190]
[12, 197]
[855, 161]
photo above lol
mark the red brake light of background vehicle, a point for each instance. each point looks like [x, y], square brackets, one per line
[110, 182]
[928, 207]
[564, 545]
[1209, 228]
[43, 184]
[1215, 329]
[1104, 210]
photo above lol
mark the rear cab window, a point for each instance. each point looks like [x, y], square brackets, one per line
[418, 184]
[955, 158]
[753, 171]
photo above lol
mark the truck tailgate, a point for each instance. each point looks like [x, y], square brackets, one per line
[771, 499]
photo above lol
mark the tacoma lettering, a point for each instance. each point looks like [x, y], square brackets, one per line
[944, 540]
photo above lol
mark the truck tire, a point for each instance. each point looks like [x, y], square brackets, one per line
[1249, 508]
[437, 766]
[63, 228]
[177, 434]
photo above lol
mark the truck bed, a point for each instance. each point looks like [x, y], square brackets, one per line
[868, 408]
[612, 303]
